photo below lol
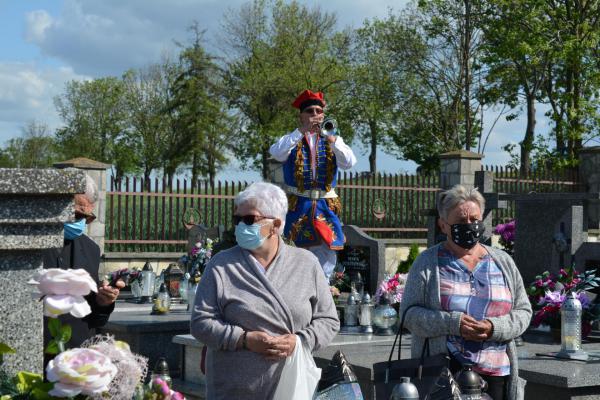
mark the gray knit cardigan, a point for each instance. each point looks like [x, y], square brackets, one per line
[234, 296]
[429, 320]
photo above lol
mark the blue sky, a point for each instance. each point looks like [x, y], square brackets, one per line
[47, 43]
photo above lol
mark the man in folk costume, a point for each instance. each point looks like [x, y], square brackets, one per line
[310, 164]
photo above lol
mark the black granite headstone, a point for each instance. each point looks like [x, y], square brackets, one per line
[356, 259]
[363, 254]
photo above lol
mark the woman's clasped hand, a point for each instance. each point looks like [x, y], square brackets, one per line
[275, 348]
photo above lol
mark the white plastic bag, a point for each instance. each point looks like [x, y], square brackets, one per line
[300, 375]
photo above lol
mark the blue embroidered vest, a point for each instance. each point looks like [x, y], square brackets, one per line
[312, 222]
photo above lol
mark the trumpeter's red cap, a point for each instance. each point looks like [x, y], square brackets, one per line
[307, 99]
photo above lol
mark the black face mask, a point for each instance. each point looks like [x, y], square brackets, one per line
[467, 235]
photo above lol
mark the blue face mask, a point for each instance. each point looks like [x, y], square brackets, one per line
[74, 229]
[248, 236]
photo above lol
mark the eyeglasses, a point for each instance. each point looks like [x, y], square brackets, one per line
[249, 219]
[313, 110]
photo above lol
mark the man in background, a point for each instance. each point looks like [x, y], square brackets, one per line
[79, 251]
[310, 163]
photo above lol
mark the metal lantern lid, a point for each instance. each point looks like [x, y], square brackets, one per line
[366, 299]
[469, 380]
[351, 300]
[161, 367]
[147, 267]
[405, 390]
[163, 288]
[173, 271]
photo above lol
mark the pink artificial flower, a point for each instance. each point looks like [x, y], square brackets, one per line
[539, 283]
[562, 272]
[177, 396]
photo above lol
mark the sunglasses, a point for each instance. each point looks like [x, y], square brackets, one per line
[249, 219]
[88, 217]
[313, 110]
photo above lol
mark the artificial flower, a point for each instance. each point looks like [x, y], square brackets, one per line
[80, 371]
[392, 287]
[62, 291]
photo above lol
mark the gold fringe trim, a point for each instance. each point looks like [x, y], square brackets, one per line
[292, 202]
[329, 155]
[335, 205]
[299, 172]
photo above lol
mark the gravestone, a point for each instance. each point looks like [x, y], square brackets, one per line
[548, 224]
[34, 204]
[363, 254]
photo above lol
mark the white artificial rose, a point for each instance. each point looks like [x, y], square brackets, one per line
[55, 305]
[80, 371]
[63, 291]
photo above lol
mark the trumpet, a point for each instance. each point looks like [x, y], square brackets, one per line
[329, 127]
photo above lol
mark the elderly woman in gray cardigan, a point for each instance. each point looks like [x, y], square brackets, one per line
[254, 298]
[471, 302]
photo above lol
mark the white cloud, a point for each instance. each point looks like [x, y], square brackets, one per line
[108, 37]
[36, 24]
[27, 92]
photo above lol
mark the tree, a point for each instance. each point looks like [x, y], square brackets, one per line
[199, 111]
[146, 93]
[272, 55]
[36, 148]
[95, 120]
[573, 76]
[369, 97]
[453, 31]
[426, 43]
[517, 52]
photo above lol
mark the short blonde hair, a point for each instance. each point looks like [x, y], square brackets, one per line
[456, 195]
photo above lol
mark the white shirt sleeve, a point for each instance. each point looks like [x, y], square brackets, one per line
[343, 154]
[282, 148]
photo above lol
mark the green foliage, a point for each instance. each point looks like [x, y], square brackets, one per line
[35, 148]
[427, 64]
[146, 94]
[199, 114]
[94, 117]
[370, 96]
[517, 52]
[405, 265]
[60, 333]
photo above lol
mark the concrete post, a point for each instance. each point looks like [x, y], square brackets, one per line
[97, 171]
[34, 204]
[459, 167]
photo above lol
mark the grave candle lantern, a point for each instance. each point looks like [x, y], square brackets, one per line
[148, 277]
[366, 314]
[570, 336]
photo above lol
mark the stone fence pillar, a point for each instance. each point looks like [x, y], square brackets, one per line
[34, 204]
[97, 171]
[459, 167]
[589, 174]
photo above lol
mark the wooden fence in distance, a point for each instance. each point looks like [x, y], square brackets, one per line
[147, 216]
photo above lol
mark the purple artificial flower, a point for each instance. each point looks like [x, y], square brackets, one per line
[554, 298]
[584, 299]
